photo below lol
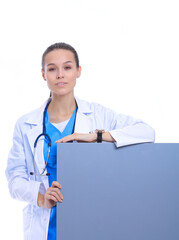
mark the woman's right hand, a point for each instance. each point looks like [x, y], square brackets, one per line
[51, 197]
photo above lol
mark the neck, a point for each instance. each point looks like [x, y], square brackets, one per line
[61, 108]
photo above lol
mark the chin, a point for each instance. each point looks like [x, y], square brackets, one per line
[63, 93]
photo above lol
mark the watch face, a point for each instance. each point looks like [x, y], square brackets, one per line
[99, 136]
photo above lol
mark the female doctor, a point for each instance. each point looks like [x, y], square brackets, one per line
[32, 174]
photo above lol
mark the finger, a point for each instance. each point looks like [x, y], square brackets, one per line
[63, 140]
[50, 196]
[56, 184]
[57, 191]
[67, 138]
[57, 194]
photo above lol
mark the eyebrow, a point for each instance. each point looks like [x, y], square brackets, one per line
[55, 64]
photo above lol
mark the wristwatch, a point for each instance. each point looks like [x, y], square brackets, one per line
[99, 135]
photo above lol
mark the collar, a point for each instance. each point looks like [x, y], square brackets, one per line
[83, 106]
[36, 117]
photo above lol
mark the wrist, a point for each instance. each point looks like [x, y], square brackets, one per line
[95, 136]
[107, 137]
[99, 133]
[40, 200]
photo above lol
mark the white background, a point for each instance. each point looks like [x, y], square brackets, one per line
[129, 53]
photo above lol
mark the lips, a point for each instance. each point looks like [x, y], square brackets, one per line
[61, 84]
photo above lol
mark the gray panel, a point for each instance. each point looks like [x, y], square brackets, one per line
[129, 193]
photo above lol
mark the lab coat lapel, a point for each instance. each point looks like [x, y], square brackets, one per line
[36, 121]
[39, 156]
[83, 123]
[32, 135]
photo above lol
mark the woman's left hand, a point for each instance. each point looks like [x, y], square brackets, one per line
[79, 137]
[86, 137]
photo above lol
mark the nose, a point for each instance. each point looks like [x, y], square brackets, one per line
[60, 74]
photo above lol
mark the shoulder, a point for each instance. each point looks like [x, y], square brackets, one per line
[27, 116]
[107, 115]
[97, 112]
[33, 117]
[92, 107]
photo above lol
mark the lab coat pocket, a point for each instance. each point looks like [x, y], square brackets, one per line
[27, 221]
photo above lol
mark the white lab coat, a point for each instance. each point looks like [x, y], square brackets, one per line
[23, 186]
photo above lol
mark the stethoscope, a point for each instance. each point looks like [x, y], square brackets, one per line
[46, 136]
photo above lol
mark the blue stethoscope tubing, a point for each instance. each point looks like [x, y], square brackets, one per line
[48, 140]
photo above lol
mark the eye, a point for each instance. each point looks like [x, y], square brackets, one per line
[67, 67]
[51, 69]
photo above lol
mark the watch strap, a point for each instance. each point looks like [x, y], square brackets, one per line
[99, 136]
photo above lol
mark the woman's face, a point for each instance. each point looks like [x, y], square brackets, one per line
[60, 72]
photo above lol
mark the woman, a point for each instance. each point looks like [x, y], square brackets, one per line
[65, 118]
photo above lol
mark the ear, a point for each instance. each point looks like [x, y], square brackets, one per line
[79, 72]
[43, 74]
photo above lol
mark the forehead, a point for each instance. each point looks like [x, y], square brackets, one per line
[59, 56]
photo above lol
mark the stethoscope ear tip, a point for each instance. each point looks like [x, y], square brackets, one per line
[31, 173]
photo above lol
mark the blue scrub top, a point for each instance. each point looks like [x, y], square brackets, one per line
[55, 135]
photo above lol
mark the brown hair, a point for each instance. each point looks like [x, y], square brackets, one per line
[60, 45]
